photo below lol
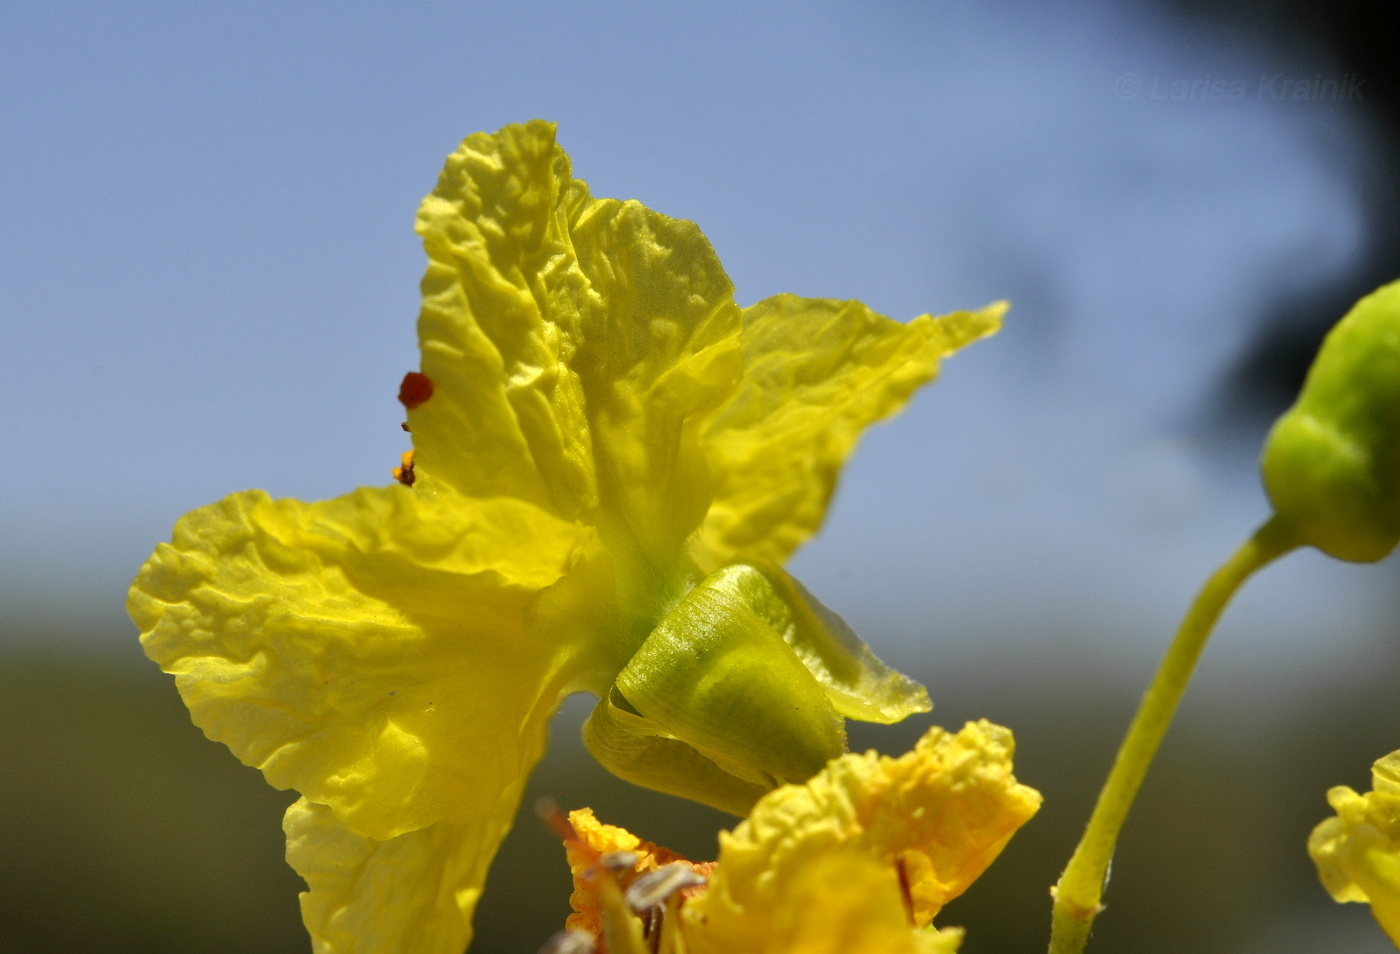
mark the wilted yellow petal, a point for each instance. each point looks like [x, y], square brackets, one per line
[1357, 852]
[373, 651]
[415, 892]
[933, 819]
[816, 374]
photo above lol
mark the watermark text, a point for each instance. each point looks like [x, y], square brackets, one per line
[1266, 87]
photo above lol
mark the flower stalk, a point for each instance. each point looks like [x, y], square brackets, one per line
[1078, 895]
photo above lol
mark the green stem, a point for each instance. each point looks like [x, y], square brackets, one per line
[1080, 888]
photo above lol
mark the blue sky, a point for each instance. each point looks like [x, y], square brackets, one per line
[208, 277]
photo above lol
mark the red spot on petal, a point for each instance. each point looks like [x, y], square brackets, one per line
[415, 389]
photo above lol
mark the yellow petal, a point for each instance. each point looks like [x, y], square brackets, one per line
[659, 348]
[932, 819]
[415, 892]
[570, 342]
[373, 652]
[1357, 852]
[817, 373]
[505, 413]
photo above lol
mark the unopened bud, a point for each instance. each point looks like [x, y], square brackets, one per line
[1331, 465]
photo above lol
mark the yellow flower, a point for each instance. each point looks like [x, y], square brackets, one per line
[610, 460]
[859, 859]
[1357, 852]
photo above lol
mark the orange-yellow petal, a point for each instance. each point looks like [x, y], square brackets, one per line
[843, 902]
[591, 840]
[932, 819]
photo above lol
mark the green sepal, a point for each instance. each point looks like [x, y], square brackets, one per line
[638, 751]
[858, 684]
[715, 674]
[1331, 465]
[741, 687]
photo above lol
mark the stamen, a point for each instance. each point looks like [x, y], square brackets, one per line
[404, 474]
[654, 887]
[622, 932]
[618, 861]
[670, 938]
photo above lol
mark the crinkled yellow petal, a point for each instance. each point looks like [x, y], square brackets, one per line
[816, 374]
[659, 348]
[415, 892]
[374, 651]
[1357, 852]
[933, 819]
[571, 343]
[505, 416]
[587, 355]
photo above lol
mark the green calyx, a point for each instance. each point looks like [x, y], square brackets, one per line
[743, 686]
[1331, 465]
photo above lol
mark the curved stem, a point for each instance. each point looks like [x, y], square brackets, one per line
[1078, 893]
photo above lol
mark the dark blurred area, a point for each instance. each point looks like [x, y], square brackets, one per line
[1348, 36]
[125, 830]
[122, 829]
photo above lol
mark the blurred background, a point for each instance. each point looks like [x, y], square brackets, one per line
[208, 282]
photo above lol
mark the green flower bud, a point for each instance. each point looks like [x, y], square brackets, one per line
[740, 688]
[1331, 465]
